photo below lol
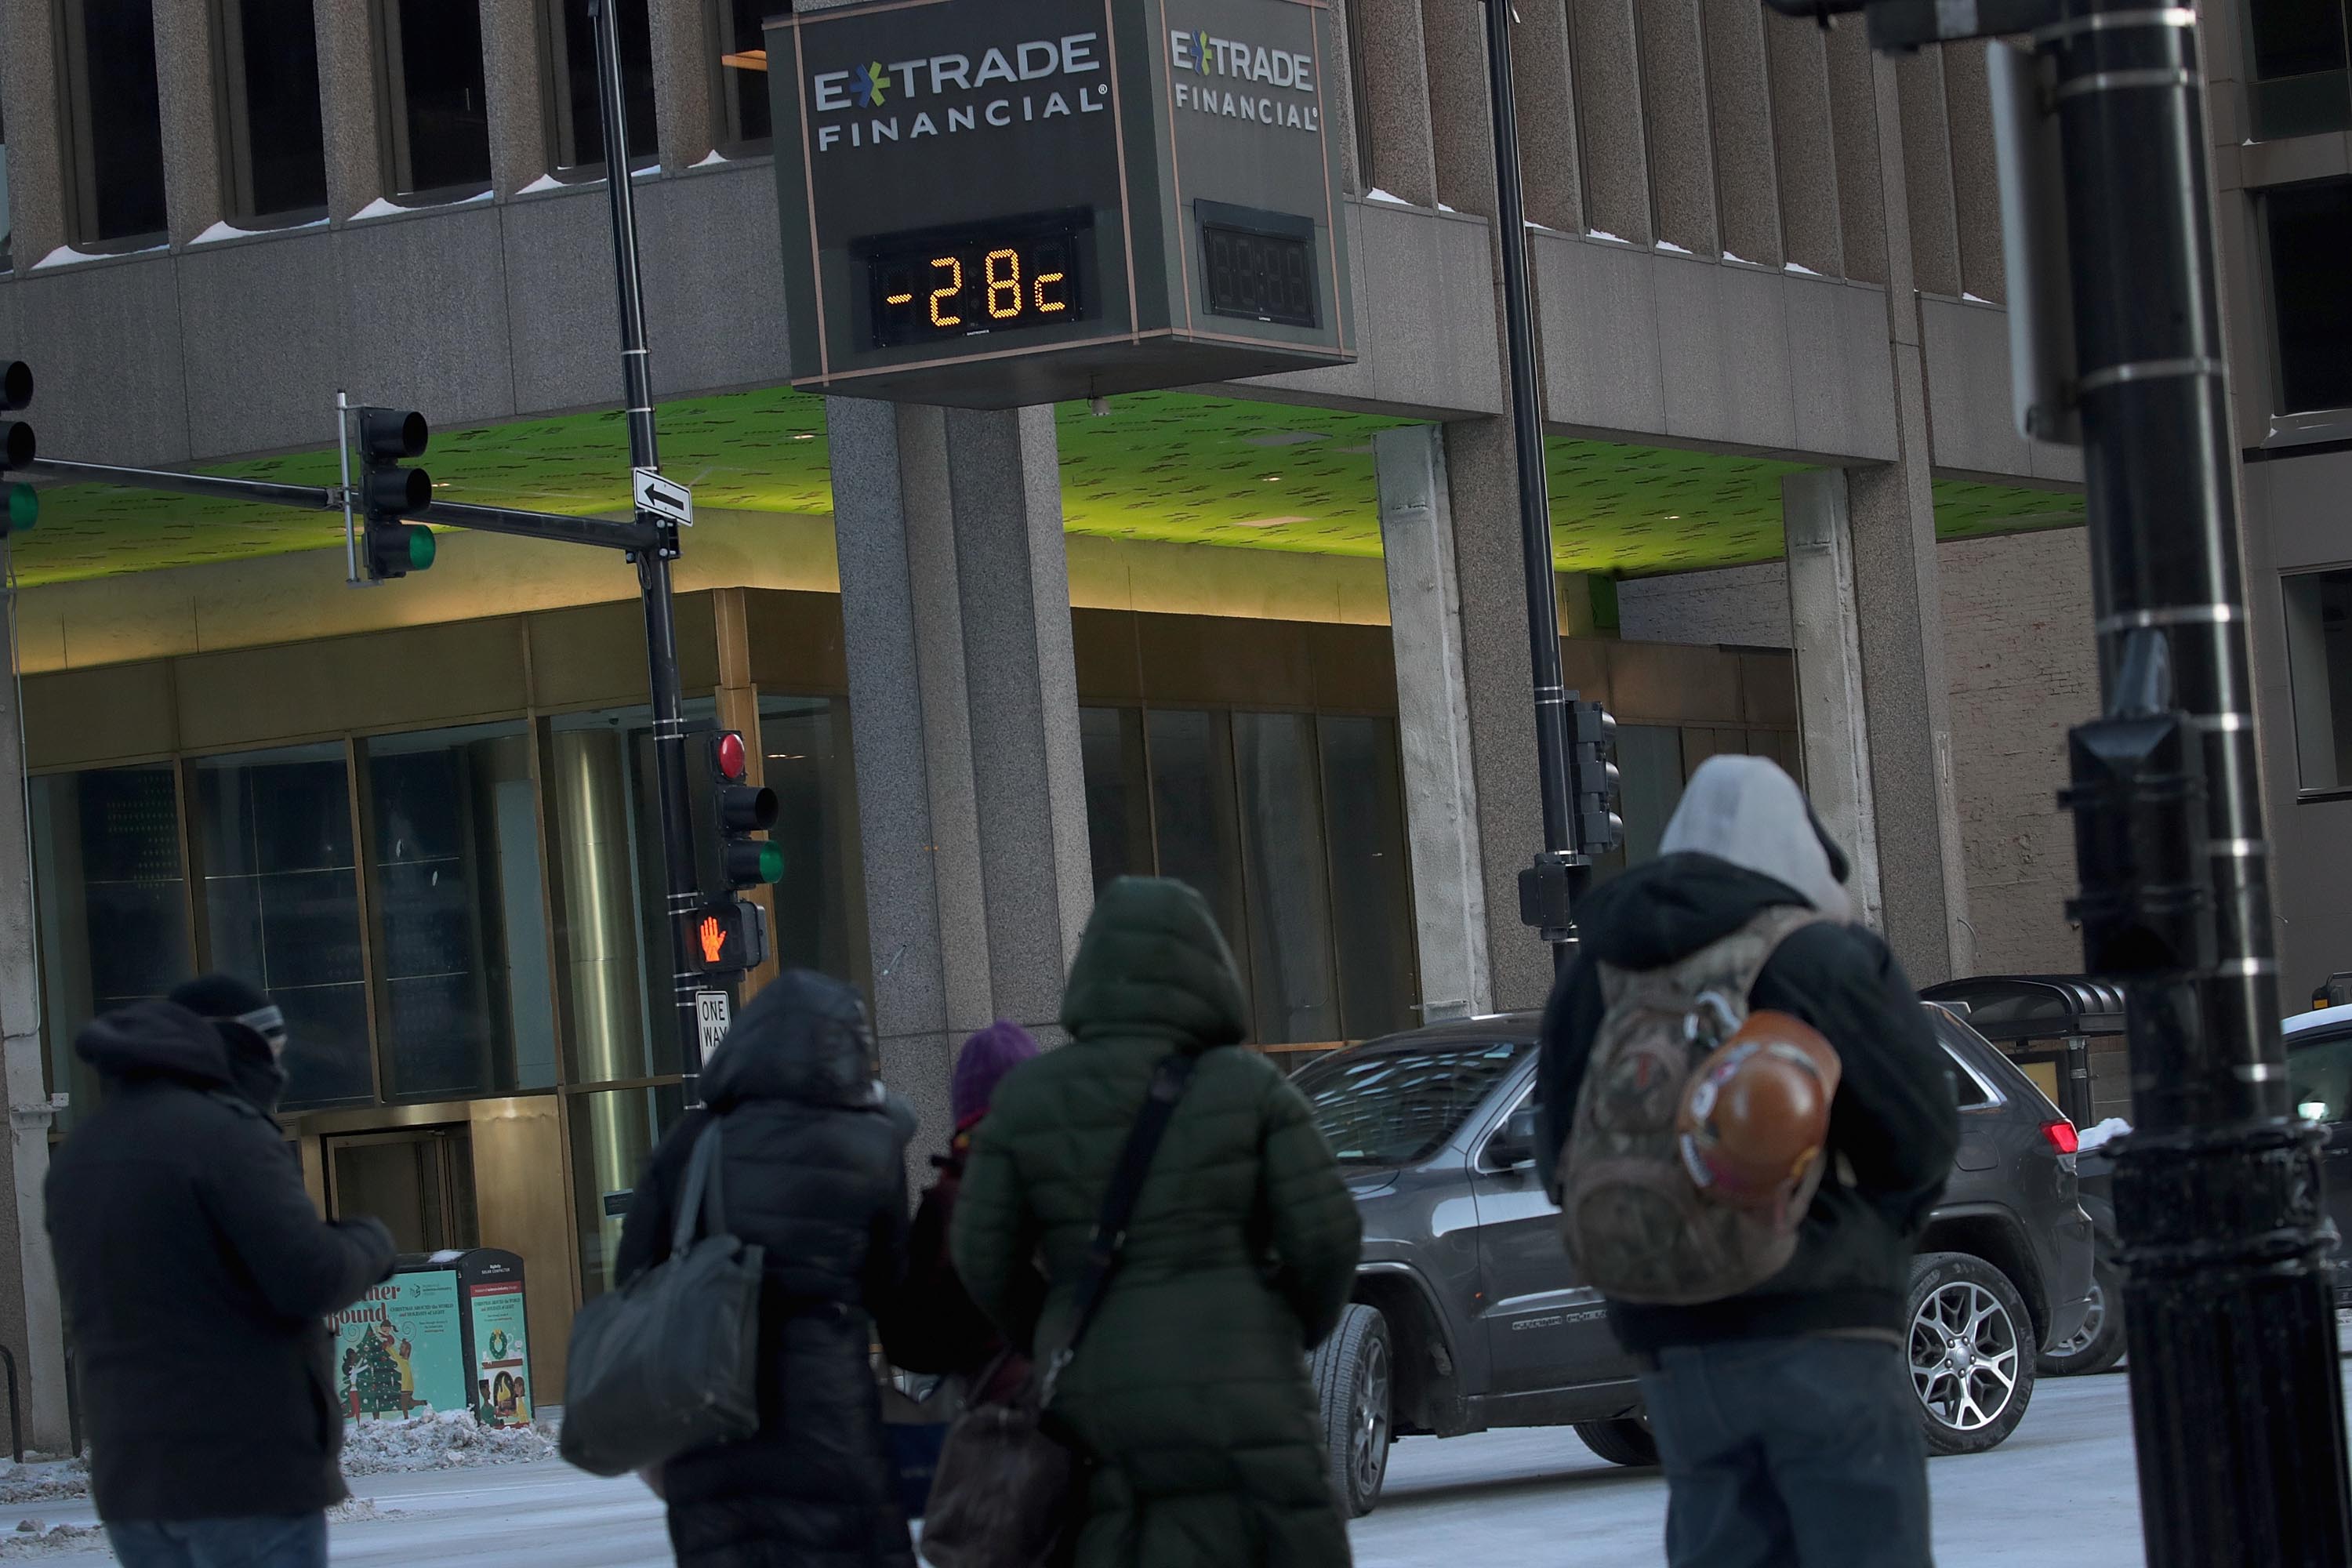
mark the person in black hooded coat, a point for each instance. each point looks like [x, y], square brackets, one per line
[197, 1277]
[813, 1169]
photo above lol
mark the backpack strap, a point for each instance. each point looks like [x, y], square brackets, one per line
[1729, 965]
[701, 1207]
[1108, 1243]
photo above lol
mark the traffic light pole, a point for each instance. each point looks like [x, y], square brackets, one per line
[653, 564]
[1545, 888]
[2236, 1403]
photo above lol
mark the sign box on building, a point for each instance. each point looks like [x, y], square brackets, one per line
[444, 1333]
[992, 205]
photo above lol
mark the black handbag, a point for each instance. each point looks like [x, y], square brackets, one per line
[1007, 1491]
[669, 1362]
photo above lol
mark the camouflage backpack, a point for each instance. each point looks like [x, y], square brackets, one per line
[1636, 1224]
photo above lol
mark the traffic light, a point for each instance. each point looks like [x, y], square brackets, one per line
[390, 493]
[1593, 781]
[743, 809]
[21, 506]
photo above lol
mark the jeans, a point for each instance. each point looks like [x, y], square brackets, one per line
[268, 1541]
[1789, 1453]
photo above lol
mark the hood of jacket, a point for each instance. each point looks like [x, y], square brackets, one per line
[804, 1038]
[1747, 811]
[155, 1039]
[1153, 962]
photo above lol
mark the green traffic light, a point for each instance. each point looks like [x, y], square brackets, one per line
[421, 548]
[24, 507]
[771, 861]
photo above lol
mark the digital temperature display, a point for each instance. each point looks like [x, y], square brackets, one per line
[984, 277]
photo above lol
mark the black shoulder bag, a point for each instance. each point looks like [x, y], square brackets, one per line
[669, 1362]
[1006, 1493]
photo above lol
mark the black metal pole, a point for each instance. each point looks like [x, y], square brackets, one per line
[2236, 1399]
[1527, 428]
[653, 565]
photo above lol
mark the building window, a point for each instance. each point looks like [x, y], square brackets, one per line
[2295, 49]
[804, 746]
[575, 123]
[113, 125]
[275, 160]
[2309, 231]
[737, 28]
[2319, 671]
[112, 896]
[7, 255]
[1291, 826]
[436, 123]
[1360, 94]
[281, 907]
[460, 927]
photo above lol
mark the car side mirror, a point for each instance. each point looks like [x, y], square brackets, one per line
[1514, 1148]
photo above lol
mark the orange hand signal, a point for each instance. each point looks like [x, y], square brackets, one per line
[714, 939]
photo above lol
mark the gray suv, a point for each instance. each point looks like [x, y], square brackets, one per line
[1468, 1316]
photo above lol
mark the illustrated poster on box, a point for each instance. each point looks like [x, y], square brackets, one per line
[400, 1349]
[501, 1354]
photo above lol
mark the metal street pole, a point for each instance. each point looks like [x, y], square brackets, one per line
[653, 565]
[2236, 1402]
[1555, 868]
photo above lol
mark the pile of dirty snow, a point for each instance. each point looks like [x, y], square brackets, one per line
[33, 1538]
[44, 1482]
[450, 1440]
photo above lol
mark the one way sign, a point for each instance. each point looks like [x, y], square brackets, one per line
[663, 497]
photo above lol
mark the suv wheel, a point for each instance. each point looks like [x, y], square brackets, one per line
[1354, 1378]
[1970, 1352]
[2098, 1344]
[1625, 1441]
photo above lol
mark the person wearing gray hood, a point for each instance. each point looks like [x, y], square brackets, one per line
[1784, 1415]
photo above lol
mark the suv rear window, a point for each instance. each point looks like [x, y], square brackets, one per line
[2319, 1074]
[1392, 1107]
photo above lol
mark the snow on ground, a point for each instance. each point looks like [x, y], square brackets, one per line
[2061, 1491]
[441, 1442]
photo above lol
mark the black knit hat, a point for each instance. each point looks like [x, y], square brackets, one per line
[218, 996]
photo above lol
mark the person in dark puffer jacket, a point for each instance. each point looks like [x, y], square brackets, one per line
[197, 1277]
[1190, 1391]
[813, 1169]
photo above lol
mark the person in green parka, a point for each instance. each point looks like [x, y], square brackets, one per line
[1190, 1390]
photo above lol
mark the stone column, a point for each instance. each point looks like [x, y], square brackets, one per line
[1832, 712]
[964, 721]
[1457, 604]
[187, 89]
[348, 86]
[1441, 785]
[32, 1321]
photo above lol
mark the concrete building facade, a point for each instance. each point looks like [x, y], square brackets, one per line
[1268, 636]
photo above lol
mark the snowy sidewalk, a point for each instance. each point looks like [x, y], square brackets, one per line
[2061, 1491]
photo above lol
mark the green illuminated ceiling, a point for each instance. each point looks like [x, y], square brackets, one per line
[1166, 467]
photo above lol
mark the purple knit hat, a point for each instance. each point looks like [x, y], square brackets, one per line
[986, 1058]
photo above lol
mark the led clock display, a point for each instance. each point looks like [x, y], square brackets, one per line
[980, 278]
[1265, 277]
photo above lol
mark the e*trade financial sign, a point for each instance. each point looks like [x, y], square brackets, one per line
[993, 205]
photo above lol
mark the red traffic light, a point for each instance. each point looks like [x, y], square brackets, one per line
[727, 751]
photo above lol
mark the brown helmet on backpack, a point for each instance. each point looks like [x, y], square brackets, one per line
[1756, 1113]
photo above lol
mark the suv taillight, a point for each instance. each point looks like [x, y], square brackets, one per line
[2061, 1136]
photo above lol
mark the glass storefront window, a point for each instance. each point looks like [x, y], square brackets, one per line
[281, 907]
[1371, 882]
[1196, 830]
[611, 1134]
[1118, 810]
[805, 759]
[454, 880]
[1294, 994]
[111, 897]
